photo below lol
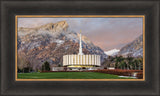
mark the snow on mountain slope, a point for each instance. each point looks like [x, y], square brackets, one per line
[135, 48]
[50, 42]
[112, 52]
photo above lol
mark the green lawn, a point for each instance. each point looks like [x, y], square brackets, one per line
[68, 75]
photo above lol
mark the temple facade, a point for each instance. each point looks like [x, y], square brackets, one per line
[81, 59]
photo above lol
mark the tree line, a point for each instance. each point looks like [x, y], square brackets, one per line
[128, 63]
[25, 65]
[27, 68]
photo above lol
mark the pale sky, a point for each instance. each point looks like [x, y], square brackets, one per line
[107, 33]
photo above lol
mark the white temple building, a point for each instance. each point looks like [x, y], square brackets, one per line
[81, 60]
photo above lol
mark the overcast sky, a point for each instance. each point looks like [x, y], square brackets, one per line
[107, 33]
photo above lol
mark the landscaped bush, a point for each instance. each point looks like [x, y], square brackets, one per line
[117, 72]
[140, 75]
[61, 71]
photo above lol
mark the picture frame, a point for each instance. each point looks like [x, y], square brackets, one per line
[78, 16]
[79, 7]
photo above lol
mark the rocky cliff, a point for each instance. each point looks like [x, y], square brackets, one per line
[134, 48]
[50, 42]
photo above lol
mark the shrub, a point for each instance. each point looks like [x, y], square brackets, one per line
[140, 75]
[116, 71]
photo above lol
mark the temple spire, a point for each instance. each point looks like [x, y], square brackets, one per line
[80, 45]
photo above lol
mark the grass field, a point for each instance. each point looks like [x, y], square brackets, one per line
[68, 75]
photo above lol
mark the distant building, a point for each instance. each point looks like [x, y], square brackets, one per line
[80, 60]
[111, 68]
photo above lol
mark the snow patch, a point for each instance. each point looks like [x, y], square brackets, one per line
[59, 42]
[112, 52]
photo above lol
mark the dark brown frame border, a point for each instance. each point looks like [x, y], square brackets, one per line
[79, 7]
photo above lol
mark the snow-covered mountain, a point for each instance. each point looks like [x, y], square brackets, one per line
[50, 42]
[134, 49]
[112, 52]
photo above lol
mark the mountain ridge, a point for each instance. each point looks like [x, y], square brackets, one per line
[134, 48]
[50, 42]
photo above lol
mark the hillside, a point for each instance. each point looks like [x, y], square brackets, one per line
[135, 48]
[50, 42]
[112, 52]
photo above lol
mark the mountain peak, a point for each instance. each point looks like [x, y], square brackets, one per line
[55, 27]
[51, 27]
[134, 48]
[62, 22]
[50, 42]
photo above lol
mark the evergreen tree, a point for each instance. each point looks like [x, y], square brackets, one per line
[46, 66]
